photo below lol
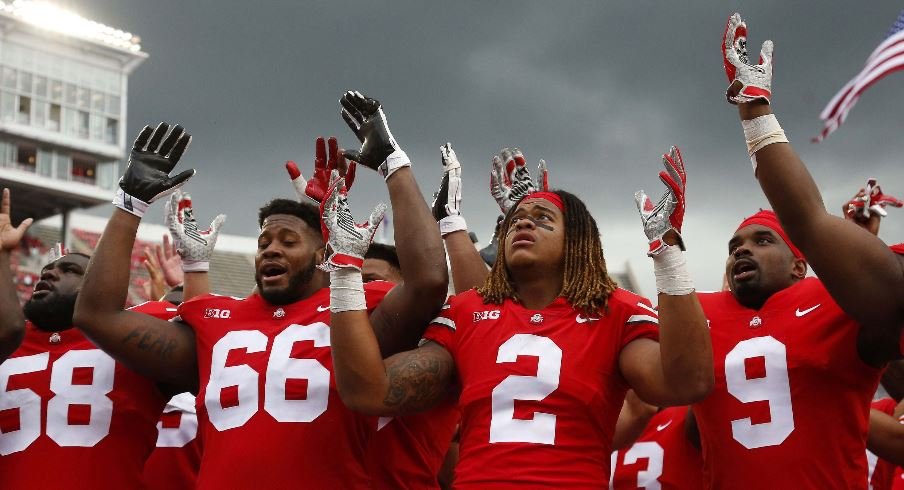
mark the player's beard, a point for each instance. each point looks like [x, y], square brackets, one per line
[292, 292]
[53, 313]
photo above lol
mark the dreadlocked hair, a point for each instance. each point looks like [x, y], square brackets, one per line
[587, 284]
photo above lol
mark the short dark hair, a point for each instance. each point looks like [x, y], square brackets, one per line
[308, 213]
[381, 251]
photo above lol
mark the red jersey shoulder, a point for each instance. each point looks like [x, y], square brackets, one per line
[898, 248]
[375, 291]
[622, 300]
[202, 306]
[163, 310]
[884, 405]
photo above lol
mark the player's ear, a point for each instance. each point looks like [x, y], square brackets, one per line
[799, 269]
[319, 254]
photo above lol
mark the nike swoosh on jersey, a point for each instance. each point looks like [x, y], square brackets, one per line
[799, 313]
[663, 426]
[321, 308]
[582, 319]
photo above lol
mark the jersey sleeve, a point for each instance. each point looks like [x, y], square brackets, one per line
[898, 248]
[641, 320]
[193, 309]
[163, 310]
[374, 292]
[442, 328]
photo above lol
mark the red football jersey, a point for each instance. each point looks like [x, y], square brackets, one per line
[174, 463]
[67, 407]
[407, 452]
[540, 390]
[883, 475]
[662, 457]
[268, 403]
[790, 406]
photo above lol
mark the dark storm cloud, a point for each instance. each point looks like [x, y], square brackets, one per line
[598, 89]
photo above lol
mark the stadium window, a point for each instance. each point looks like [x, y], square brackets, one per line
[53, 122]
[25, 82]
[26, 157]
[70, 94]
[81, 121]
[84, 97]
[111, 135]
[56, 90]
[8, 106]
[9, 77]
[84, 170]
[97, 102]
[41, 86]
[113, 105]
[45, 162]
[24, 116]
[40, 113]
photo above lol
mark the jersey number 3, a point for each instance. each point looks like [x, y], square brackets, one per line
[504, 427]
[773, 388]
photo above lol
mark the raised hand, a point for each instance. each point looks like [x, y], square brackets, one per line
[324, 163]
[510, 179]
[747, 82]
[867, 208]
[170, 262]
[379, 149]
[154, 155]
[668, 214]
[447, 199]
[10, 236]
[194, 246]
[347, 241]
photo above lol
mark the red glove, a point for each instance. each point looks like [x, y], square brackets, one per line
[316, 188]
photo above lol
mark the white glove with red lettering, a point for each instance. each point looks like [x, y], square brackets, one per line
[347, 241]
[510, 179]
[668, 213]
[194, 246]
[746, 82]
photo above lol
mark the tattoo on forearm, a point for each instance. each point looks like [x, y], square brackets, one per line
[161, 345]
[417, 380]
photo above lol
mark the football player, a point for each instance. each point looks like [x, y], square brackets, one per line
[544, 351]
[262, 364]
[12, 321]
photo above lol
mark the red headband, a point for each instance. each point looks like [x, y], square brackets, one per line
[548, 196]
[770, 220]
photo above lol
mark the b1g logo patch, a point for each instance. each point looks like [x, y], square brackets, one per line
[216, 313]
[486, 315]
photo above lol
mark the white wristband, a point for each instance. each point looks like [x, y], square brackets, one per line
[452, 223]
[129, 204]
[761, 132]
[195, 265]
[670, 268]
[346, 290]
[394, 161]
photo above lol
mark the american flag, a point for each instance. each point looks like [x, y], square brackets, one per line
[887, 58]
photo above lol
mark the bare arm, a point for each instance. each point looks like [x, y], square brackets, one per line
[163, 351]
[886, 437]
[679, 369]
[468, 268]
[407, 382]
[12, 319]
[893, 380]
[632, 420]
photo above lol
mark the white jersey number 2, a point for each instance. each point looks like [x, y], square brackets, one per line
[504, 427]
[773, 388]
[91, 398]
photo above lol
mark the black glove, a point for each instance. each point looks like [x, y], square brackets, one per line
[488, 253]
[150, 162]
[379, 149]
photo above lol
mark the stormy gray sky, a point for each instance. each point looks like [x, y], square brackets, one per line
[600, 89]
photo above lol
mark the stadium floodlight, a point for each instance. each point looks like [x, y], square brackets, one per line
[53, 18]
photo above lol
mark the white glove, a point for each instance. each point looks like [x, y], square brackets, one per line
[668, 213]
[346, 240]
[194, 246]
[746, 82]
[510, 180]
[447, 199]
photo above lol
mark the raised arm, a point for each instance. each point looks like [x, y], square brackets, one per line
[679, 369]
[12, 321]
[407, 382]
[193, 246]
[632, 420]
[857, 268]
[163, 351]
[467, 267]
[403, 315]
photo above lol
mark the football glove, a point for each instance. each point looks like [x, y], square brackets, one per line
[510, 179]
[379, 149]
[315, 188]
[193, 245]
[347, 241]
[871, 200]
[153, 157]
[668, 213]
[447, 199]
[746, 82]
